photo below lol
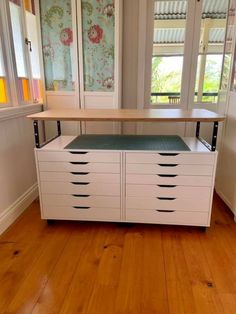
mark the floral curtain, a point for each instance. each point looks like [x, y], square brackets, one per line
[98, 44]
[57, 41]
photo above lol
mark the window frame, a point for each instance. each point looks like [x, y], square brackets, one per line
[190, 59]
[6, 35]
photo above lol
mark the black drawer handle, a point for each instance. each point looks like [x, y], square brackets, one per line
[168, 154]
[166, 186]
[166, 198]
[167, 175]
[78, 153]
[80, 173]
[81, 207]
[78, 163]
[80, 183]
[168, 165]
[165, 211]
[80, 195]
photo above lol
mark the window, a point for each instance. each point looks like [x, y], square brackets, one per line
[33, 47]
[18, 40]
[211, 48]
[20, 72]
[168, 50]
[3, 84]
[174, 20]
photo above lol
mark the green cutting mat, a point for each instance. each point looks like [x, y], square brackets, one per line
[129, 142]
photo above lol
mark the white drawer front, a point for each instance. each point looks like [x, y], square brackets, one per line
[174, 169]
[77, 200]
[79, 156]
[75, 167]
[167, 191]
[80, 177]
[175, 218]
[171, 158]
[87, 189]
[180, 204]
[162, 179]
[92, 213]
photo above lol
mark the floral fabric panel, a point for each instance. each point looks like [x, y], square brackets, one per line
[57, 41]
[98, 44]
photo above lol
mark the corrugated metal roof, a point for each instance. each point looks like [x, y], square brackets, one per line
[169, 35]
[177, 9]
[176, 35]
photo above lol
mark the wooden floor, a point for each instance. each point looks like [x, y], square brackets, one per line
[84, 267]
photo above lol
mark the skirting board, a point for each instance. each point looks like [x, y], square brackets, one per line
[11, 213]
[221, 195]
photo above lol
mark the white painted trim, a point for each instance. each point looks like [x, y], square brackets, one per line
[80, 51]
[60, 93]
[142, 31]
[37, 12]
[103, 94]
[10, 214]
[20, 111]
[142, 38]
[188, 52]
[75, 67]
[118, 53]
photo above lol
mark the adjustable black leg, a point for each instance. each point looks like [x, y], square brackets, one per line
[212, 146]
[58, 128]
[36, 134]
[214, 136]
[198, 129]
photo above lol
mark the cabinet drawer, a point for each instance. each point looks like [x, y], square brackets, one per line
[82, 156]
[171, 180]
[173, 169]
[83, 188]
[76, 213]
[79, 177]
[196, 203]
[76, 200]
[175, 218]
[171, 158]
[77, 167]
[167, 191]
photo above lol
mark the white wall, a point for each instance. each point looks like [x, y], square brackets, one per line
[18, 187]
[226, 171]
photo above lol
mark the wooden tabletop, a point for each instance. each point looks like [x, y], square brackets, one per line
[151, 115]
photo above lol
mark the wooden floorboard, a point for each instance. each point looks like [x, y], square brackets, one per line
[96, 268]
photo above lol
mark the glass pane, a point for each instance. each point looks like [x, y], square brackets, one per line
[32, 34]
[3, 90]
[228, 53]
[168, 50]
[29, 6]
[18, 40]
[98, 21]
[57, 40]
[211, 49]
[2, 70]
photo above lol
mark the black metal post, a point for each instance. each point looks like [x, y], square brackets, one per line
[58, 128]
[36, 134]
[198, 129]
[214, 136]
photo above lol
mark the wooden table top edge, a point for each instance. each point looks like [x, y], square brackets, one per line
[148, 115]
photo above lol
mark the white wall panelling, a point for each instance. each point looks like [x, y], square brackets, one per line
[17, 165]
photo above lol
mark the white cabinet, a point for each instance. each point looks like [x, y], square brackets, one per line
[120, 185]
